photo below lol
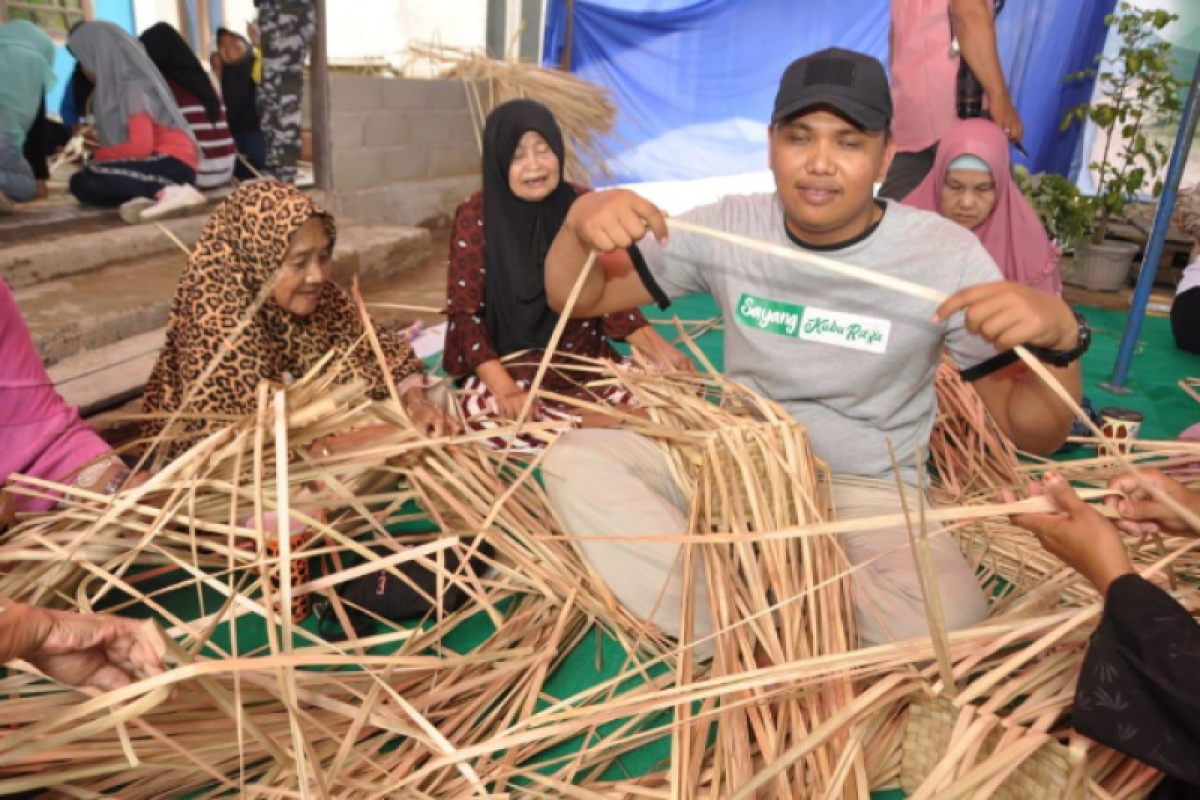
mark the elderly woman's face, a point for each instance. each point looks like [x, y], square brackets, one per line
[533, 174]
[968, 197]
[306, 269]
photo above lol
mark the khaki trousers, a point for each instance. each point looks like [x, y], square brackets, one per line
[618, 485]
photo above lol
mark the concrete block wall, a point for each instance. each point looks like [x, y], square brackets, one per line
[393, 130]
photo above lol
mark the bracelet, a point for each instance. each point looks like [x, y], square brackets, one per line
[116, 481]
[89, 476]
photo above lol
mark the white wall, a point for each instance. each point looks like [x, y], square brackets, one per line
[148, 12]
[363, 31]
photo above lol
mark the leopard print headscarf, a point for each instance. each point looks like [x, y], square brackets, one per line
[238, 254]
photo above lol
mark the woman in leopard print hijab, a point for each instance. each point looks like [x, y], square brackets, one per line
[267, 238]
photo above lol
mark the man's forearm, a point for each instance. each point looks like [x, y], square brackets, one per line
[976, 31]
[564, 262]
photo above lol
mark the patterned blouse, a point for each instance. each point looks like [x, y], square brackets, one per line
[467, 341]
[1137, 686]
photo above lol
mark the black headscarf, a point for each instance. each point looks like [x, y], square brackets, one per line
[238, 88]
[81, 89]
[519, 233]
[175, 60]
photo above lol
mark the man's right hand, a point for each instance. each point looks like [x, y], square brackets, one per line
[615, 219]
[1004, 114]
[1141, 513]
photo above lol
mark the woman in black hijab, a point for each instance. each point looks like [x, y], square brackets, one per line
[234, 63]
[197, 99]
[178, 64]
[496, 292]
[1136, 691]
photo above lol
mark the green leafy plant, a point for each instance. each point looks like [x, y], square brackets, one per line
[1064, 212]
[1136, 90]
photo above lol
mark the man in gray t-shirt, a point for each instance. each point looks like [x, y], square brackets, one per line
[853, 362]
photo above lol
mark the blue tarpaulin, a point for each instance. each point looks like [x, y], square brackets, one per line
[694, 80]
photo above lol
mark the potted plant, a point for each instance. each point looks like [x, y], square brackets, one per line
[1058, 203]
[1136, 90]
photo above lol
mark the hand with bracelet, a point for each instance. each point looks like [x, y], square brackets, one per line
[105, 475]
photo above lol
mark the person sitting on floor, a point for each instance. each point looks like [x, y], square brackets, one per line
[40, 435]
[496, 295]
[27, 64]
[1185, 311]
[238, 63]
[146, 147]
[197, 100]
[971, 184]
[855, 392]
[1146, 649]
[267, 235]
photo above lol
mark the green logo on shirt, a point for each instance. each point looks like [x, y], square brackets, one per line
[771, 316]
[812, 324]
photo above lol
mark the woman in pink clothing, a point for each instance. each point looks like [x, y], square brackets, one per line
[147, 150]
[40, 435]
[971, 183]
[942, 53]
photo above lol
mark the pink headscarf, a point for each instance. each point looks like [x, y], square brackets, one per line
[1012, 233]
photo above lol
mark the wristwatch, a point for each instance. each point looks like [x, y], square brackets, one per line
[1055, 358]
[1061, 358]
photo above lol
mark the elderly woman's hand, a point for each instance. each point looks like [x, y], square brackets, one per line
[427, 416]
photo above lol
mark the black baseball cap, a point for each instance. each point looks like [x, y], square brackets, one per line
[854, 84]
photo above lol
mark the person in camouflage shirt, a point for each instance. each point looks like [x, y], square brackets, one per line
[286, 27]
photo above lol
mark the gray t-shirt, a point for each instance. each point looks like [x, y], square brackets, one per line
[852, 362]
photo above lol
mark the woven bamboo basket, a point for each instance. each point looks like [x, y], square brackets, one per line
[929, 734]
[1051, 769]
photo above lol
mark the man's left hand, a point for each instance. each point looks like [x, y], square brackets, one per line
[1010, 314]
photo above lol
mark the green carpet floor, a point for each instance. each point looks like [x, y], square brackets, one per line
[1168, 410]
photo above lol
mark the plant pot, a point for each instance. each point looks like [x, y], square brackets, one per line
[1102, 267]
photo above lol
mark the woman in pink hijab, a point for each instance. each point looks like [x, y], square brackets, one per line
[971, 183]
[40, 435]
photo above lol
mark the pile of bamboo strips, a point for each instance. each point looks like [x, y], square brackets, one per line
[967, 450]
[466, 704]
[314, 718]
[585, 112]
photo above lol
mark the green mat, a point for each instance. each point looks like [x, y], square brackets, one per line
[1157, 369]
[1168, 410]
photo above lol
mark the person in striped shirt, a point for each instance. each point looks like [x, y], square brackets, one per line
[198, 101]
